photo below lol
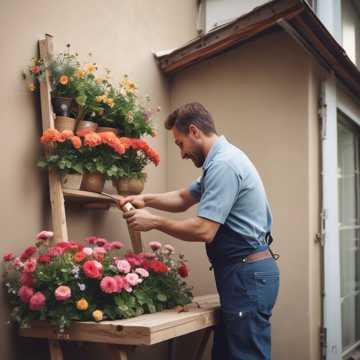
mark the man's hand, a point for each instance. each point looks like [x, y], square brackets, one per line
[136, 200]
[141, 220]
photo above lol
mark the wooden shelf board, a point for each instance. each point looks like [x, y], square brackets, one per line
[81, 196]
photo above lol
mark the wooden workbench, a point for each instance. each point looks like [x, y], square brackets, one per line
[122, 335]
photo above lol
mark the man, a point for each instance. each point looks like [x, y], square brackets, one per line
[233, 220]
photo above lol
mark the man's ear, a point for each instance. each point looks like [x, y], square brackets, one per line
[194, 131]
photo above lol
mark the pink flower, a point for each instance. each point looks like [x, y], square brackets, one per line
[142, 272]
[132, 279]
[55, 251]
[123, 266]
[115, 245]
[87, 251]
[62, 293]
[26, 279]
[121, 283]
[109, 285]
[168, 249]
[44, 235]
[25, 293]
[18, 263]
[37, 301]
[133, 259]
[30, 251]
[44, 259]
[30, 265]
[155, 245]
[91, 239]
[99, 250]
[92, 269]
[8, 256]
[148, 255]
[100, 242]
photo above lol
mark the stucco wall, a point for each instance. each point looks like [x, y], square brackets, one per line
[121, 36]
[264, 100]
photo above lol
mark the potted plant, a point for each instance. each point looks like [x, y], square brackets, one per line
[92, 281]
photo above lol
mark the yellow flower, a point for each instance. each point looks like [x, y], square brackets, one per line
[79, 73]
[101, 98]
[90, 68]
[97, 315]
[63, 79]
[128, 85]
[31, 86]
[82, 304]
[110, 102]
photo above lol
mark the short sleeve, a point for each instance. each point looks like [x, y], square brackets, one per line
[195, 189]
[221, 189]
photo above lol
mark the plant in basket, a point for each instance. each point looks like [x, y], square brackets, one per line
[94, 280]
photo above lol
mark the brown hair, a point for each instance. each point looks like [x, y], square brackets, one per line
[192, 113]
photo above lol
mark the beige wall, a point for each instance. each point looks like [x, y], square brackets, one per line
[263, 96]
[122, 36]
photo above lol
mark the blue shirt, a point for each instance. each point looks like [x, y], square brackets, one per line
[231, 192]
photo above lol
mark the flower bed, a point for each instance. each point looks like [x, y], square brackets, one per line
[95, 280]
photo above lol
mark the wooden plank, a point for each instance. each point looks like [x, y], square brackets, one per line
[87, 197]
[143, 330]
[56, 194]
[55, 350]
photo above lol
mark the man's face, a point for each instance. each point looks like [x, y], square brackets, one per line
[189, 145]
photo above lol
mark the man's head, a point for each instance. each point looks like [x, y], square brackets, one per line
[192, 127]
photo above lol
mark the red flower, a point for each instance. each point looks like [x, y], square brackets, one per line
[79, 256]
[109, 285]
[30, 265]
[8, 257]
[25, 293]
[35, 69]
[37, 301]
[44, 259]
[158, 266]
[183, 270]
[92, 269]
[44, 235]
[26, 279]
[76, 142]
[100, 242]
[31, 250]
[116, 245]
[91, 239]
[133, 259]
[55, 251]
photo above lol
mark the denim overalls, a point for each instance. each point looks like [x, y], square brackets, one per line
[248, 292]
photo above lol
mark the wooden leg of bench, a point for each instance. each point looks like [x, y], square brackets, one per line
[55, 350]
[204, 341]
[119, 352]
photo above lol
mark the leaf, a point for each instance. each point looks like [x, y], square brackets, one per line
[161, 297]
[81, 100]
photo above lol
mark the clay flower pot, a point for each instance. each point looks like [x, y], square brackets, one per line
[93, 182]
[129, 186]
[71, 181]
[101, 129]
[65, 123]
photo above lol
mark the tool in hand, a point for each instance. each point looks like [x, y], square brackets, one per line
[126, 207]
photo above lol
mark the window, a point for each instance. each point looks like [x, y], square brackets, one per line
[349, 231]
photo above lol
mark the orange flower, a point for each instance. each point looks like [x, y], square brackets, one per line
[76, 142]
[92, 139]
[79, 73]
[84, 132]
[66, 134]
[79, 256]
[50, 135]
[63, 79]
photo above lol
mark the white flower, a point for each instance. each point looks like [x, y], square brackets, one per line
[87, 251]
[82, 287]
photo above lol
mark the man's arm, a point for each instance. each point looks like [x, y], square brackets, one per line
[173, 201]
[196, 229]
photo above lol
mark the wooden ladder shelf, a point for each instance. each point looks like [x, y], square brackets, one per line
[120, 336]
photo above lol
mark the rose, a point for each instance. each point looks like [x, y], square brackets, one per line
[82, 304]
[123, 266]
[44, 259]
[158, 266]
[26, 279]
[25, 293]
[31, 250]
[62, 293]
[132, 279]
[55, 251]
[92, 269]
[168, 249]
[142, 272]
[99, 250]
[79, 256]
[30, 265]
[155, 245]
[44, 235]
[108, 285]
[121, 283]
[116, 245]
[100, 242]
[183, 270]
[97, 315]
[87, 251]
[91, 239]
[133, 259]
[8, 256]
[37, 301]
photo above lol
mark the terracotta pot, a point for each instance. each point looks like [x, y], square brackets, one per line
[129, 186]
[65, 123]
[93, 182]
[87, 126]
[101, 129]
[71, 181]
[61, 105]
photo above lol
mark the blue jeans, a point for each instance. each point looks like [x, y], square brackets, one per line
[248, 292]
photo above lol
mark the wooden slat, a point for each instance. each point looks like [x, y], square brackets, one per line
[143, 330]
[56, 194]
[55, 350]
[87, 197]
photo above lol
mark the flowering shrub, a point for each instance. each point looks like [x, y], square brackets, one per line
[91, 152]
[70, 281]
